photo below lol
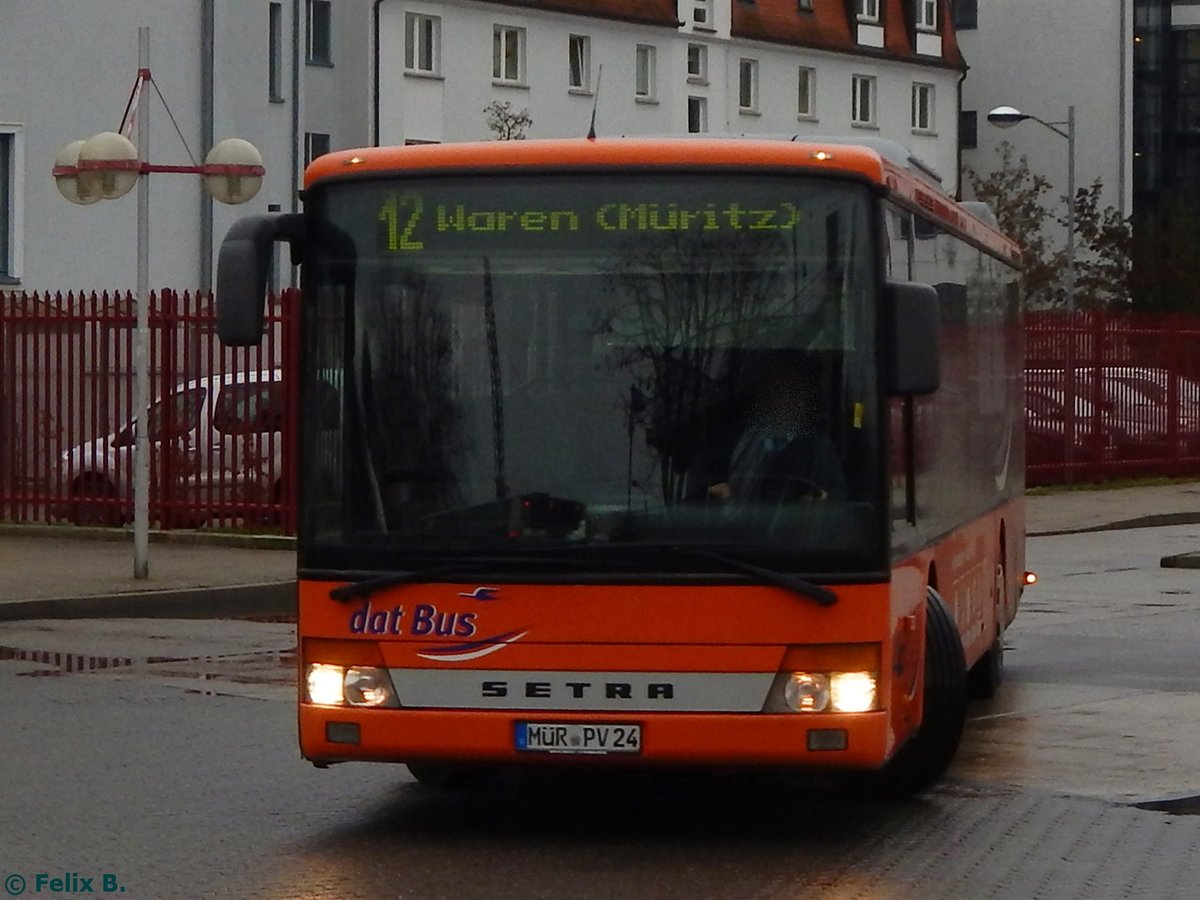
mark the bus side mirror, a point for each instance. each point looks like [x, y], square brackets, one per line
[243, 267]
[911, 335]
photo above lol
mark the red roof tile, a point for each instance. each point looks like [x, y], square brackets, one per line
[828, 26]
[649, 12]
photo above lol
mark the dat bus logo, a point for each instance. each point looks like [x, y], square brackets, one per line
[426, 621]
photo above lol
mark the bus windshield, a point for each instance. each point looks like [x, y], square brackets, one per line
[622, 372]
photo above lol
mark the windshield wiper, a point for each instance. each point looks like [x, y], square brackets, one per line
[360, 590]
[822, 595]
[805, 588]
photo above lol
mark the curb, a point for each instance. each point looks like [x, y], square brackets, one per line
[237, 602]
[1155, 521]
[195, 538]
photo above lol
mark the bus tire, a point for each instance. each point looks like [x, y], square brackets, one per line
[928, 753]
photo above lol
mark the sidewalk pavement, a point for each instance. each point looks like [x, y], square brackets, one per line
[66, 572]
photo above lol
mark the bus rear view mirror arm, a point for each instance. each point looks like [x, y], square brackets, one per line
[243, 267]
[911, 339]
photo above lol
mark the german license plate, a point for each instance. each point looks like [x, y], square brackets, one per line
[595, 739]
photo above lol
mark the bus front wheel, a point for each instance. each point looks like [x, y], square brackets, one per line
[928, 753]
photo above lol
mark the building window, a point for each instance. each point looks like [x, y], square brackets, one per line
[702, 13]
[862, 100]
[508, 54]
[922, 107]
[968, 129]
[275, 52]
[804, 5]
[697, 62]
[320, 32]
[7, 175]
[644, 74]
[579, 62]
[422, 43]
[966, 14]
[748, 85]
[316, 144]
[697, 115]
[868, 10]
[806, 94]
[927, 15]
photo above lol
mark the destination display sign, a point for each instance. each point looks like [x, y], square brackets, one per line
[412, 221]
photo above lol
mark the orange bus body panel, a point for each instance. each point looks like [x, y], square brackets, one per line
[626, 629]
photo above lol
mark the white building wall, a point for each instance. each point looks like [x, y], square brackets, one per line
[66, 70]
[1042, 58]
[449, 107]
[56, 85]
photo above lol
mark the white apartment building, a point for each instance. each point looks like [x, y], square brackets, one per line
[299, 77]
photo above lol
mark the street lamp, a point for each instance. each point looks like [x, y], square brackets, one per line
[107, 166]
[1007, 117]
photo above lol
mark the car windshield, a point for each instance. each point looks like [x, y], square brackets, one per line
[592, 368]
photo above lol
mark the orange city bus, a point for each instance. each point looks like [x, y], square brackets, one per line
[528, 531]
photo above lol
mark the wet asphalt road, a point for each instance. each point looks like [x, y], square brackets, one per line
[169, 763]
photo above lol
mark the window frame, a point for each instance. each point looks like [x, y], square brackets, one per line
[923, 96]
[700, 105]
[584, 43]
[701, 75]
[645, 70]
[806, 92]
[867, 10]
[12, 168]
[748, 85]
[275, 52]
[968, 129]
[500, 50]
[319, 43]
[702, 15]
[966, 15]
[859, 84]
[312, 142]
[418, 44]
[927, 15]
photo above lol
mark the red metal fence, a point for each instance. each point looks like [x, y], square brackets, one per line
[1107, 396]
[220, 424]
[1111, 395]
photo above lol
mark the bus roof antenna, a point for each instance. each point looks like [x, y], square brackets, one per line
[595, 101]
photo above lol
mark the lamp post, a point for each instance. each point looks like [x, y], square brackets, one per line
[106, 166]
[1007, 117]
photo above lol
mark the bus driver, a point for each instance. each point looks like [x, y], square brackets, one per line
[774, 449]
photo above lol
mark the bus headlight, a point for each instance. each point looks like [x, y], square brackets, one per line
[332, 685]
[852, 691]
[368, 686]
[807, 692]
[324, 684]
[848, 692]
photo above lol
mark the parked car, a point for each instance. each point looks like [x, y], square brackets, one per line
[1047, 411]
[1138, 401]
[216, 447]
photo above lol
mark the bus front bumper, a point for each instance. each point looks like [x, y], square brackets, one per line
[805, 740]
